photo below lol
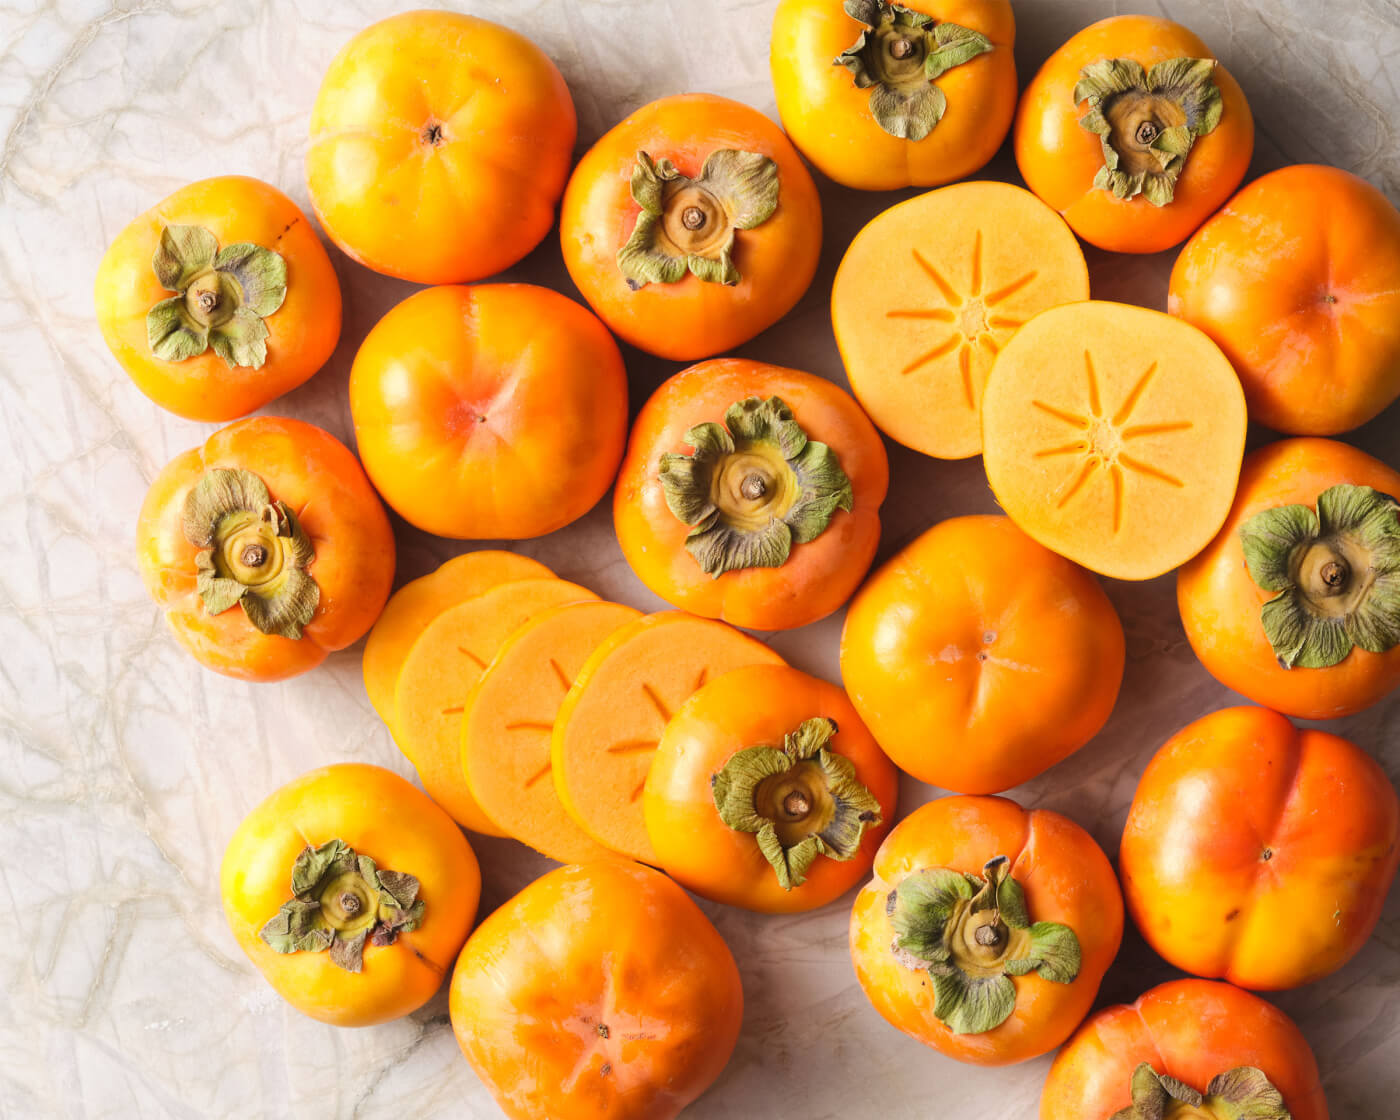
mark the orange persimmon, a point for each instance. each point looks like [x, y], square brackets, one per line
[1113, 435]
[691, 226]
[490, 411]
[219, 299]
[751, 493]
[987, 929]
[351, 892]
[266, 548]
[440, 144]
[1134, 132]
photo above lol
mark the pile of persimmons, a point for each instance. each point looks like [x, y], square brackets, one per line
[1256, 855]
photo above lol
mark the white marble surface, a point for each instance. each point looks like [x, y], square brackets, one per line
[124, 766]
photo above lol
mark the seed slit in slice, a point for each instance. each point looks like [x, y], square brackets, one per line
[480, 663]
[539, 775]
[1095, 408]
[1139, 430]
[530, 725]
[1063, 449]
[938, 351]
[1115, 473]
[977, 264]
[1012, 288]
[559, 672]
[943, 286]
[1079, 480]
[965, 368]
[936, 314]
[1131, 400]
[633, 746]
[1151, 471]
[1061, 414]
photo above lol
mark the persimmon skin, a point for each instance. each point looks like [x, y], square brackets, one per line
[1059, 158]
[1220, 603]
[818, 576]
[1187, 1029]
[753, 707]
[599, 992]
[829, 118]
[1297, 279]
[1067, 879]
[302, 333]
[403, 115]
[323, 484]
[382, 816]
[690, 318]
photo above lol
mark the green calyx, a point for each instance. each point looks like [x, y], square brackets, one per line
[752, 487]
[801, 800]
[898, 56]
[1243, 1093]
[1147, 121]
[973, 934]
[341, 901]
[1335, 572]
[224, 295]
[688, 225]
[253, 551]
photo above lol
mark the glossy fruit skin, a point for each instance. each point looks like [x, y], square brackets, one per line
[753, 707]
[952, 707]
[819, 576]
[319, 479]
[1059, 158]
[1067, 879]
[1220, 604]
[1187, 1029]
[382, 816]
[302, 333]
[599, 992]
[491, 411]
[690, 318]
[428, 207]
[829, 118]
[1258, 852]
[1297, 279]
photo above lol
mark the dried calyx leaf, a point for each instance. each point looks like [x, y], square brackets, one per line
[253, 551]
[342, 900]
[801, 800]
[898, 56]
[1335, 571]
[752, 487]
[1243, 1093]
[224, 295]
[1147, 120]
[973, 934]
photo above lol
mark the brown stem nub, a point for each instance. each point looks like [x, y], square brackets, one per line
[901, 48]
[350, 903]
[989, 935]
[692, 217]
[253, 556]
[208, 300]
[1334, 573]
[753, 487]
[796, 805]
[432, 135]
[1147, 132]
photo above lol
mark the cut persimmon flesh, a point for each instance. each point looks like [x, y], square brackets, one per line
[929, 292]
[509, 721]
[440, 670]
[1113, 435]
[417, 603]
[613, 716]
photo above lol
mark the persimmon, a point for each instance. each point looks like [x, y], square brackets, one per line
[1113, 435]
[922, 93]
[931, 290]
[1298, 280]
[1296, 602]
[979, 658]
[1187, 1048]
[768, 792]
[691, 226]
[751, 493]
[1135, 132]
[492, 411]
[614, 715]
[266, 548]
[599, 992]
[351, 892]
[440, 144]
[1258, 852]
[219, 299]
[987, 928]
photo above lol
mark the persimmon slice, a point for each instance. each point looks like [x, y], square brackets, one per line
[509, 721]
[441, 669]
[1113, 435]
[612, 719]
[931, 290]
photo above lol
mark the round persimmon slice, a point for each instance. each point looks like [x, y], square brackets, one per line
[1113, 435]
[611, 721]
[509, 721]
[928, 294]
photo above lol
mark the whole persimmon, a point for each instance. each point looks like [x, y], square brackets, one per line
[267, 548]
[751, 493]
